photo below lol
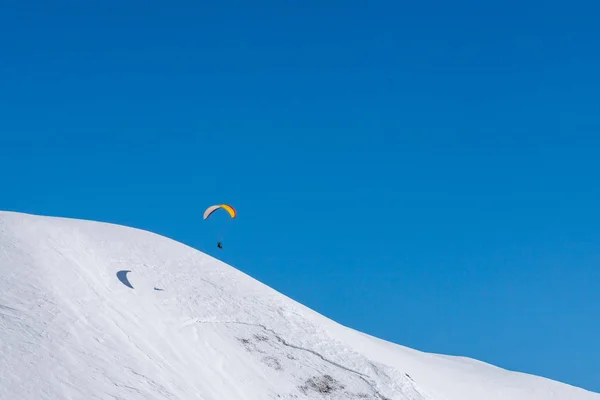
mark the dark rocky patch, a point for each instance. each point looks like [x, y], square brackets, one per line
[324, 384]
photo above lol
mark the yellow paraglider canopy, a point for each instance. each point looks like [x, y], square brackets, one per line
[214, 208]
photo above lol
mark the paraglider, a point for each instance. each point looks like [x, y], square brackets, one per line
[212, 209]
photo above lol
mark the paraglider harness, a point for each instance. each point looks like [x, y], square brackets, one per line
[219, 245]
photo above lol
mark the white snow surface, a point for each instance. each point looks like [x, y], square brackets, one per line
[192, 327]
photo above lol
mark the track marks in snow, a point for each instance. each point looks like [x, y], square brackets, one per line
[10, 312]
[322, 384]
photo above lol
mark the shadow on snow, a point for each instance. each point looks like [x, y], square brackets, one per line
[122, 275]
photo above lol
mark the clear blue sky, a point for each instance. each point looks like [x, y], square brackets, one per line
[426, 172]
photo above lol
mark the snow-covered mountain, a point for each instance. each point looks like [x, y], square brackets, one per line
[75, 324]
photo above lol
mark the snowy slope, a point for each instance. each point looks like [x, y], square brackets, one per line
[74, 324]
